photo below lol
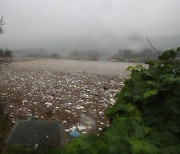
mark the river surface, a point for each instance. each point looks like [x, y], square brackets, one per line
[92, 67]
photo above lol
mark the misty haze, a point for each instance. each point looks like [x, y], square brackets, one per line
[66, 61]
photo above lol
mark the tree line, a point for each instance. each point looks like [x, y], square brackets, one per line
[5, 53]
[135, 56]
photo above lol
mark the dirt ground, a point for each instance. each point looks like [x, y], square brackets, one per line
[77, 93]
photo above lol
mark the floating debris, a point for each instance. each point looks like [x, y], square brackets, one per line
[77, 98]
[79, 107]
[74, 134]
[48, 104]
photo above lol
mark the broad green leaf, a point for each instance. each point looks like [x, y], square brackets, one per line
[136, 144]
[146, 129]
[129, 68]
[138, 130]
[154, 91]
[140, 146]
[136, 97]
[146, 94]
[130, 107]
[152, 83]
[138, 118]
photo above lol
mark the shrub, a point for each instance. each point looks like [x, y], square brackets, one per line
[5, 126]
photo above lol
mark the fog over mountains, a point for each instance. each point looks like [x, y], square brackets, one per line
[105, 25]
[104, 44]
[110, 43]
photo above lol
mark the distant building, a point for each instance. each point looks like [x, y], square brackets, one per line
[36, 134]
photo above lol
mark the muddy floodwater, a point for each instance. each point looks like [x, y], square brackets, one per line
[77, 93]
[93, 67]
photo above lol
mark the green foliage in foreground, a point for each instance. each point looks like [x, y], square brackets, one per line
[5, 126]
[16, 149]
[146, 116]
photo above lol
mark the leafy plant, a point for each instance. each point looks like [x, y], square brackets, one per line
[5, 126]
[146, 115]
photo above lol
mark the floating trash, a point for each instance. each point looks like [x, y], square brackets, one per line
[64, 95]
[74, 134]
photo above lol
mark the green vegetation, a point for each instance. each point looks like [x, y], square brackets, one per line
[84, 55]
[5, 57]
[54, 56]
[5, 126]
[43, 55]
[135, 56]
[5, 54]
[145, 117]
[16, 149]
[1, 24]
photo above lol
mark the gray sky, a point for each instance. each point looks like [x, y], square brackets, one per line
[31, 23]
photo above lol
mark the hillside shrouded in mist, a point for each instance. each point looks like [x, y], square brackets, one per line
[104, 25]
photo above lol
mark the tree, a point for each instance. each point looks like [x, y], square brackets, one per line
[8, 54]
[1, 24]
[1, 53]
[93, 56]
[54, 56]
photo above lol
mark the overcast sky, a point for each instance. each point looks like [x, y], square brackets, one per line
[38, 20]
